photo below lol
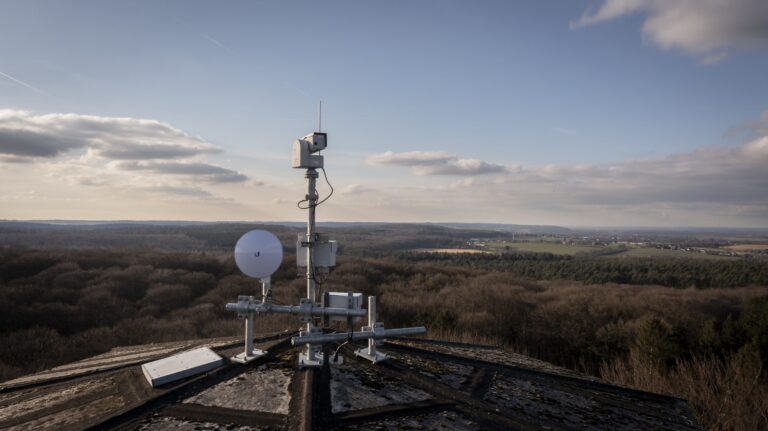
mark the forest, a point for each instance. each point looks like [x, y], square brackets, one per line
[593, 270]
[694, 329]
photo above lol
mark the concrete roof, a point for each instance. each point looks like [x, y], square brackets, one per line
[425, 384]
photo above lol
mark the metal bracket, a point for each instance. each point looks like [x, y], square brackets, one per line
[243, 312]
[313, 356]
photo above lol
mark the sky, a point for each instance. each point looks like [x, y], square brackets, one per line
[574, 113]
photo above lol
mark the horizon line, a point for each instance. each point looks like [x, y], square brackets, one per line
[583, 227]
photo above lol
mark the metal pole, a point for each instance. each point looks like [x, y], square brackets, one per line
[249, 334]
[243, 311]
[371, 311]
[266, 289]
[299, 310]
[311, 202]
[361, 335]
[311, 176]
[371, 324]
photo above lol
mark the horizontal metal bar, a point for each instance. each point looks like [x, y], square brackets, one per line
[362, 335]
[259, 307]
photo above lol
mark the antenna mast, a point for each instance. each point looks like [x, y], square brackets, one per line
[312, 354]
[318, 253]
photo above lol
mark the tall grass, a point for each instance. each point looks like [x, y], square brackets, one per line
[725, 393]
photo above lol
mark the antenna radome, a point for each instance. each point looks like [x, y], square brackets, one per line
[258, 253]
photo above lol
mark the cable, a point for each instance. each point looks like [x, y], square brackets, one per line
[351, 331]
[298, 204]
[308, 206]
[329, 185]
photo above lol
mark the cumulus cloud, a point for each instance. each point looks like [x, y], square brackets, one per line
[725, 185]
[714, 176]
[179, 191]
[23, 143]
[703, 27]
[26, 134]
[205, 171]
[435, 163]
[93, 151]
[462, 183]
[128, 151]
[411, 158]
[351, 189]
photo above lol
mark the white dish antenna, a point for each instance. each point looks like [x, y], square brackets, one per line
[258, 253]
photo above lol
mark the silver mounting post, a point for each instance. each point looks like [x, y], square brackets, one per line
[266, 290]
[313, 355]
[376, 328]
[248, 314]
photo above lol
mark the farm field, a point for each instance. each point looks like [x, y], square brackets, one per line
[747, 247]
[545, 247]
[572, 250]
[657, 252]
[451, 250]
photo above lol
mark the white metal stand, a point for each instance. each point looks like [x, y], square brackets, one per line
[250, 353]
[370, 352]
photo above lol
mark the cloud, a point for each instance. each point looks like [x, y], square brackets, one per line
[179, 191]
[435, 163]
[713, 176]
[12, 159]
[411, 158]
[707, 28]
[121, 153]
[610, 9]
[25, 134]
[712, 186]
[759, 126]
[128, 151]
[20, 143]
[714, 58]
[752, 129]
[351, 189]
[462, 183]
[205, 171]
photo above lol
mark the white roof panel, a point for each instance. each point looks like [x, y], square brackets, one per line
[181, 365]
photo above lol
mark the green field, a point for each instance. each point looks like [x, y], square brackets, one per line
[544, 247]
[656, 252]
[451, 250]
[571, 250]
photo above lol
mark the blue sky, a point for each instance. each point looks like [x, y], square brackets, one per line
[538, 112]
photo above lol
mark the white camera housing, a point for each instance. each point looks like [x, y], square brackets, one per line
[303, 156]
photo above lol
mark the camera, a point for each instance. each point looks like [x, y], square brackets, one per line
[303, 156]
[317, 141]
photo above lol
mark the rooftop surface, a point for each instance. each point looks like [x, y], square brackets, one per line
[426, 384]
